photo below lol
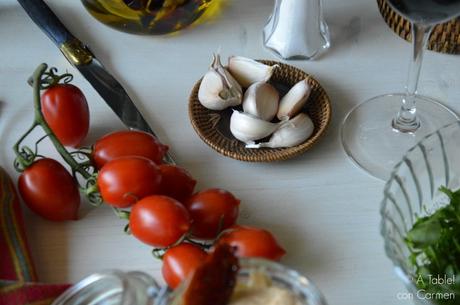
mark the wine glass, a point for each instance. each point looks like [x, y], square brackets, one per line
[376, 133]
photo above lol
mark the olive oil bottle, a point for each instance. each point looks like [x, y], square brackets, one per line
[153, 17]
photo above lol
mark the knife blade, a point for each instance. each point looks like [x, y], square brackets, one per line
[80, 56]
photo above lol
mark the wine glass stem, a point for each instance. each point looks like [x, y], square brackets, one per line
[406, 119]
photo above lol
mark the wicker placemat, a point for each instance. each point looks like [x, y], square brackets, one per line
[445, 37]
[213, 126]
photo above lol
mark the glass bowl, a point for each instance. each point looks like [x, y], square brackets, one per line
[413, 192]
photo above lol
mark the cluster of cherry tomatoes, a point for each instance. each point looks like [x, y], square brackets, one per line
[164, 212]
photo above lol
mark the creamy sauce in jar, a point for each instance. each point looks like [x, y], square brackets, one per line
[259, 290]
[264, 296]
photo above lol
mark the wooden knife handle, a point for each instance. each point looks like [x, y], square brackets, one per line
[72, 48]
[44, 17]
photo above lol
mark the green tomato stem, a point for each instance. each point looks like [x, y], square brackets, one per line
[39, 119]
[43, 79]
[121, 213]
[22, 162]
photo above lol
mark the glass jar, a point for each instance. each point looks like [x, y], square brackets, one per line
[138, 288]
[154, 17]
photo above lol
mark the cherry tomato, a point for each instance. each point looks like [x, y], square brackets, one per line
[124, 181]
[252, 242]
[128, 143]
[66, 111]
[49, 190]
[180, 261]
[176, 182]
[159, 221]
[212, 211]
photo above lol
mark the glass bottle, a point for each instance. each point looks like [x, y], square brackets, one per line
[155, 17]
[138, 288]
[297, 30]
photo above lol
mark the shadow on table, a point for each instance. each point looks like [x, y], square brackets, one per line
[342, 101]
[349, 27]
[304, 253]
[97, 131]
[7, 8]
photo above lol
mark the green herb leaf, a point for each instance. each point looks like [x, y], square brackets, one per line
[425, 233]
[434, 249]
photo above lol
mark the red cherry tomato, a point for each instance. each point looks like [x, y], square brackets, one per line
[212, 211]
[128, 143]
[124, 181]
[49, 190]
[66, 111]
[176, 182]
[159, 221]
[252, 242]
[180, 261]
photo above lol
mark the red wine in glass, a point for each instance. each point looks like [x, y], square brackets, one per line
[427, 11]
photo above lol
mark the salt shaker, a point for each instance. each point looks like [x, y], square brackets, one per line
[297, 30]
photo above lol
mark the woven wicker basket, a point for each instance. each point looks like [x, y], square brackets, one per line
[213, 126]
[445, 37]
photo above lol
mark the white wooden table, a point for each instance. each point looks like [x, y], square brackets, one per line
[323, 209]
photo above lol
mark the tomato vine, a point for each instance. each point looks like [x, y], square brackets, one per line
[42, 79]
[160, 194]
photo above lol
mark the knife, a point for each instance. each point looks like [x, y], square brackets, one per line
[80, 56]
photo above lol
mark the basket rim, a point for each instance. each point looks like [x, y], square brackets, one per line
[278, 154]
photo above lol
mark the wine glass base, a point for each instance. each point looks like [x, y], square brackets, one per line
[370, 141]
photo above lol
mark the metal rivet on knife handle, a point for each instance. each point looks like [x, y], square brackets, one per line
[77, 53]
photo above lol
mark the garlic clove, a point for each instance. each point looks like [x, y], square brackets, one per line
[218, 89]
[248, 128]
[294, 100]
[261, 100]
[217, 65]
[210, 92]
[290, 133]
[248, 71]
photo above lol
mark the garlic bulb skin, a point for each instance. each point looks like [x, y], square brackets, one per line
[294, 100]
[218, 89]
[248, 71]
[261, 100]
[290, 133]
[248, 128]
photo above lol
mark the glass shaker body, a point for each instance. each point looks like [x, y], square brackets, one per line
[297, 30]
